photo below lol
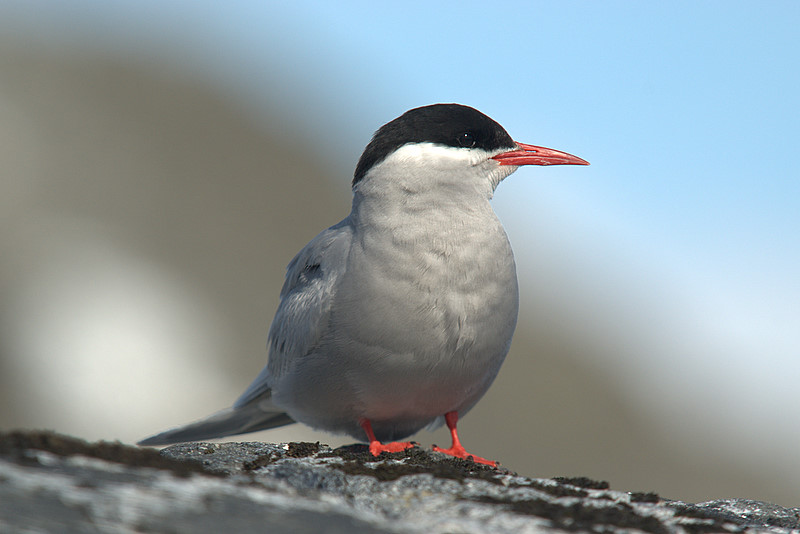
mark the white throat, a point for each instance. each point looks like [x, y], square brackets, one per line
[424, 177]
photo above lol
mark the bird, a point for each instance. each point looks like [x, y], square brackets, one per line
[398, 317]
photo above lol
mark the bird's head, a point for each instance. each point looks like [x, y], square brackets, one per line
[447, 146]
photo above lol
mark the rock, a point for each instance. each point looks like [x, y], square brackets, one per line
[54, 483]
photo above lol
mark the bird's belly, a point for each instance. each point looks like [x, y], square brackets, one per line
[399, 392]
[419, 337]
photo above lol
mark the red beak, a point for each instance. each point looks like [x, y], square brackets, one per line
[537, 155]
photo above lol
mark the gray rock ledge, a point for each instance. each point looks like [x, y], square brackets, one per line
[54, 483]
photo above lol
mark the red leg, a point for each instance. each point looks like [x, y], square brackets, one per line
[451, 418]
[376, 447]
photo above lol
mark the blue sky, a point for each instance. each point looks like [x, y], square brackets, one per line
[688, 112]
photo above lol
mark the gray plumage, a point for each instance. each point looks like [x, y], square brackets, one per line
[404, 310]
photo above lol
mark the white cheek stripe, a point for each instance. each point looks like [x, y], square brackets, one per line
[427, 152]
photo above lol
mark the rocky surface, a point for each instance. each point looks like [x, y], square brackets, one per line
[53, 483]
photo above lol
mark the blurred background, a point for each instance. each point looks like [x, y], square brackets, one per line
[161, 162]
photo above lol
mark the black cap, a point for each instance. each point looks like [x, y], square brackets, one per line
[445, 124]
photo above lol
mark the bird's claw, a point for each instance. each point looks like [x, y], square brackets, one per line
[460, 452]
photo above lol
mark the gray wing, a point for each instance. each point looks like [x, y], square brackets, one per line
[306, 299]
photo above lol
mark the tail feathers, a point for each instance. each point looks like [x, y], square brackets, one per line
[230, 422]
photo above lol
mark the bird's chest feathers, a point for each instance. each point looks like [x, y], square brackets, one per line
[439, 272]
[438, 248]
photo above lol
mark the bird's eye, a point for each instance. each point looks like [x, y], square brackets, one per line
[466, 140]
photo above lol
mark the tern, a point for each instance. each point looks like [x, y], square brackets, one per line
[398, 317]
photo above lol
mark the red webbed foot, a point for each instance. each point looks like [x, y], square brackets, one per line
[460, 452]
[457, 450]
[376, 447]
